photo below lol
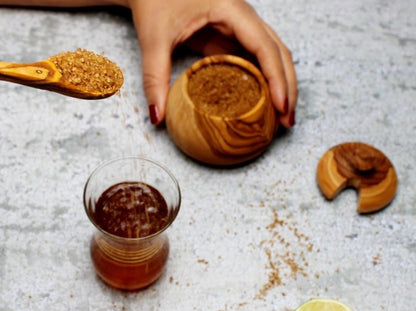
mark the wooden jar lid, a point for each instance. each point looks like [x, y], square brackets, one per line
[362, 167]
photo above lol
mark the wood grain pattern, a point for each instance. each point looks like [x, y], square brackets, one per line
[362, 167]
[45, 75]
[220, 140]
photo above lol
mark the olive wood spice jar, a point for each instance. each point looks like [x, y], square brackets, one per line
[219, 111]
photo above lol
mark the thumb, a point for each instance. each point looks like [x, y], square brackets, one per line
[156, 68]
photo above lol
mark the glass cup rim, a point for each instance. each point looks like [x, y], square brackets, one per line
[144, 159]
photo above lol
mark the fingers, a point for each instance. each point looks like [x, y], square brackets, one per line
[288, 119]
[254, 37]
[156, 70]
[156, 66]
[156, 48]
[237, 25]
[273, 57]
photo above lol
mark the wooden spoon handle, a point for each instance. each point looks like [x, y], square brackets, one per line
[29, 74]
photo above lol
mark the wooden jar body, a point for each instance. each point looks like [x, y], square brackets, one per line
[220, 140]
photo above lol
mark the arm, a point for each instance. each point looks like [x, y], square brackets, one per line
[63, 3]
[162, 25]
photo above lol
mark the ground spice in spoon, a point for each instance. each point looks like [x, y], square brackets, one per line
[92, 72]
[223, 90]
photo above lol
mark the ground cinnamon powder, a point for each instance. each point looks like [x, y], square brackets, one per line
[223, 90]
[92, 72]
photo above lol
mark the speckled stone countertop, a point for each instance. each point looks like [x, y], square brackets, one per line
[356, 66]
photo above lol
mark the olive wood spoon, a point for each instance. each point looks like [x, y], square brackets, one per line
[362, 167]
[46, 75]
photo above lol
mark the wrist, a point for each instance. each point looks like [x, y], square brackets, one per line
[125, 3]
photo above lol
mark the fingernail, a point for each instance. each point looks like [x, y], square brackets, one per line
[153, 114]
[286, 106]
[292, 120]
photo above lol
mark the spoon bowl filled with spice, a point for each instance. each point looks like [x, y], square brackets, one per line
[81, 74]
[219, 111]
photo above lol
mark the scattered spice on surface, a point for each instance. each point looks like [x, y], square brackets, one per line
[205, 262]
[274, 278]
[376, 259]
[286, 264]
[223, 90]
[89, 71]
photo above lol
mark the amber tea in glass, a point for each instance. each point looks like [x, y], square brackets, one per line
[131, 201]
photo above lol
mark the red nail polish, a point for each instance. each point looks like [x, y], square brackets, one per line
[153, 114]
[292, 120]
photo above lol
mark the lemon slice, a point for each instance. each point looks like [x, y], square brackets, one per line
[323, 305]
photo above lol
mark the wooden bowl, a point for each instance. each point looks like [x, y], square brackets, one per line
[220, 140]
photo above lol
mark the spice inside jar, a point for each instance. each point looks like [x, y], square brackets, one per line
[223, 90]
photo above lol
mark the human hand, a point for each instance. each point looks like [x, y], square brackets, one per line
[162, 25]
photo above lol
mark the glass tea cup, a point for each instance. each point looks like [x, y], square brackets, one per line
[131, 201]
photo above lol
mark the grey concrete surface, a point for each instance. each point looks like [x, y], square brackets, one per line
[356, 67]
